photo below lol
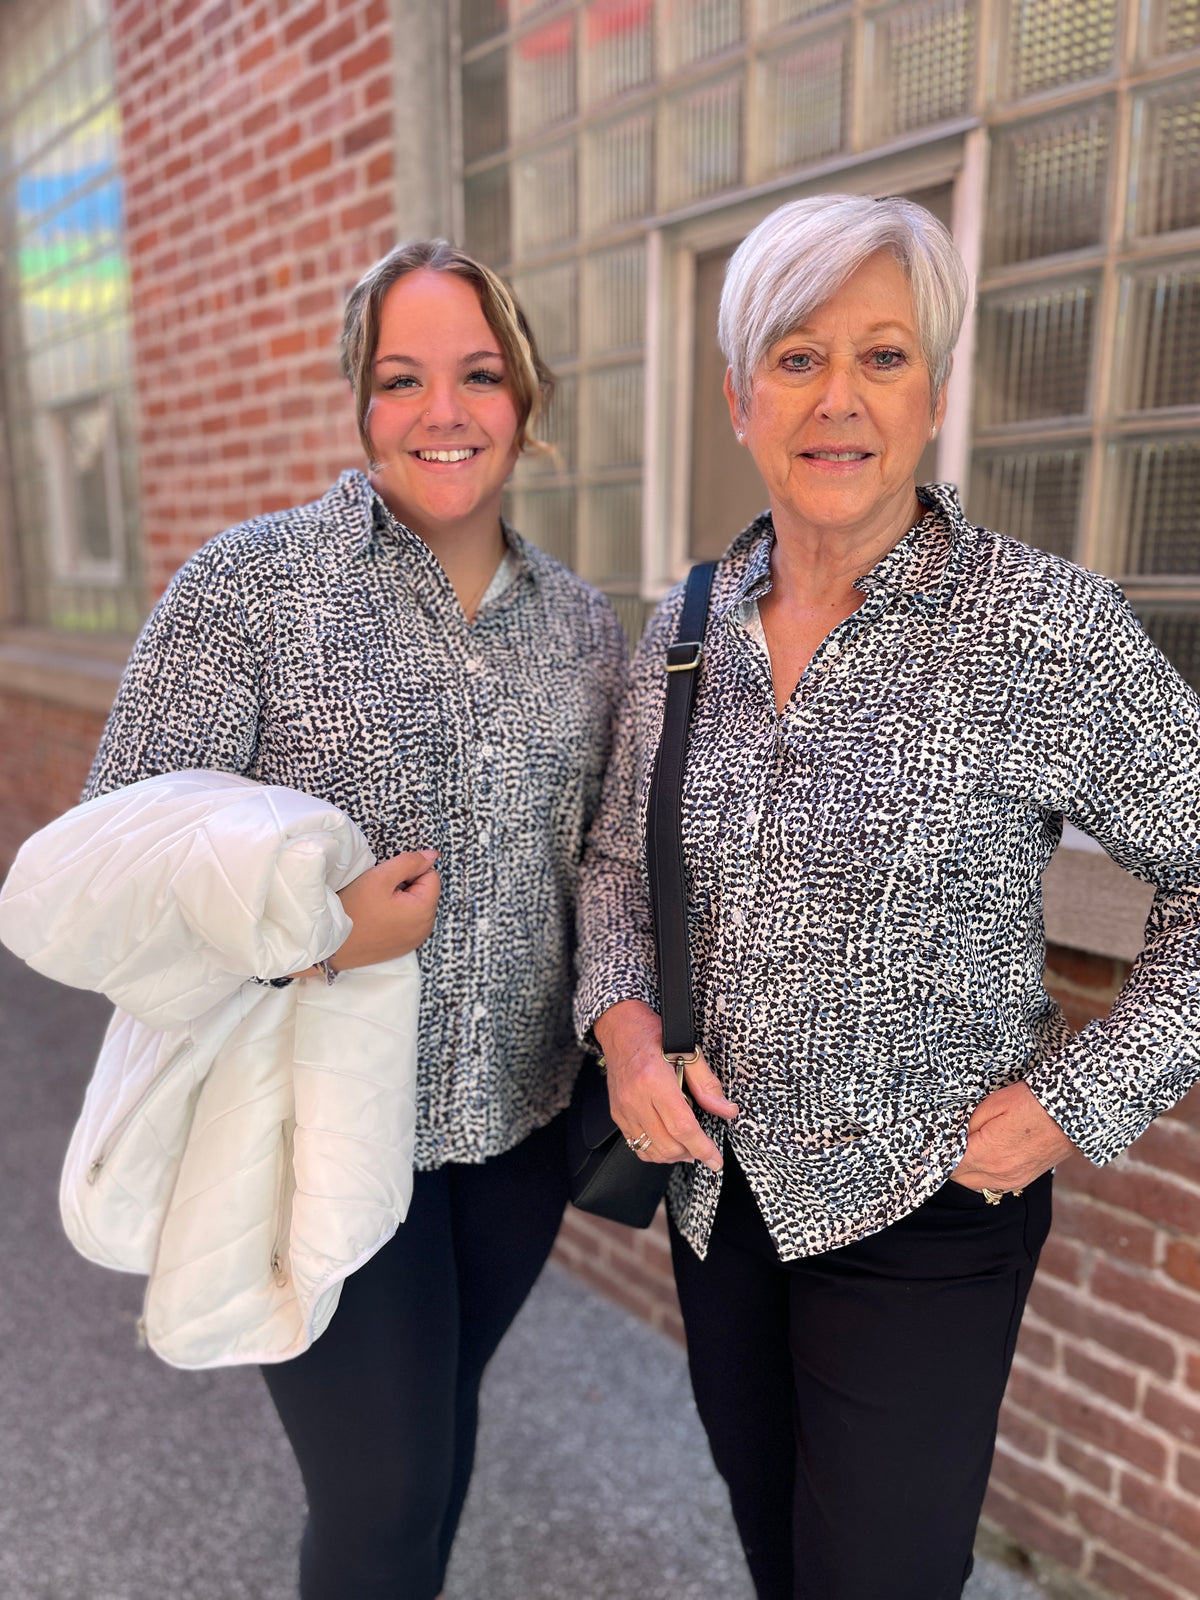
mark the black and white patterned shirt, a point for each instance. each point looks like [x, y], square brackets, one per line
[323, 648]
[865, 871]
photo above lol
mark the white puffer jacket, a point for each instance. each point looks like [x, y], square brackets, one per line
[245, 1146]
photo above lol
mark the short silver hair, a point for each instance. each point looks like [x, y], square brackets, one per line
[803, 253]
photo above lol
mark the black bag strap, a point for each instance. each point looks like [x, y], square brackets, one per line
[664, 842]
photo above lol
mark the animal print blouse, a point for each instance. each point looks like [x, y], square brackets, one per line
[865, 871]
[323, 648]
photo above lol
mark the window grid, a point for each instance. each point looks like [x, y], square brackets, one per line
[1088, 335]
[64, 321]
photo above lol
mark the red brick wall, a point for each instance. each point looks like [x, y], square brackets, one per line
[257, 156]
[1098, 1462]
[47, 751]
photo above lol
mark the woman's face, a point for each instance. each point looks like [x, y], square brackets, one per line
[442, 418]
[839, 411]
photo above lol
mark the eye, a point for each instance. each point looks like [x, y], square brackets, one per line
[485, 376]
[797, 361]
[888, 360]
[401, 380]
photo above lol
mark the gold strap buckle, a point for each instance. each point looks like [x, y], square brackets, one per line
[680, 662]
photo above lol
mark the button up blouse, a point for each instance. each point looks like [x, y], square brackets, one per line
[323, 648]
[864, 869]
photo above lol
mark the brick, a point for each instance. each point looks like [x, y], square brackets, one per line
[1102, 974]
[1080, 1415]
[1032, 1527]
[378, 90]
[1074, 1314]
[1171, 1147]
[367, 133]
[315, 160]
[1183, 1263]
[380, 169]
[305, 22]
[1187, 1470]
[1192, 1371]
[285, 139]
[1162, 1508]
[1080, 1217]
[1169, 1308]
[1173, 1413]
[367, 211]
[1063, 1258]
[1030, 1483]
[1139, 1543]
[333, 41]
[1148, 1193]
[1026, 1433]
[376, 53]
[1085, 1463]
[1118, 1384]
[254, 56]
[1120, 1579]
[260, 186]
[1037, 1346]
[1188, 1109]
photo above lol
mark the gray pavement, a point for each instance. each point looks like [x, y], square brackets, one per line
[121, 1479]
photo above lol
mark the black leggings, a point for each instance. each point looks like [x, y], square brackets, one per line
[851, 1398]
[381, 1411]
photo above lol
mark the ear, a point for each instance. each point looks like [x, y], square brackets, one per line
[939, 410]
[735, 410]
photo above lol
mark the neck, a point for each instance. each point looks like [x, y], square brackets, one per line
[819, 565]
[468, 551]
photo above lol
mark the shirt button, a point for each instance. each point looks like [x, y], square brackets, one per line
[483, 924]
[751, 815]
[738, 918]
[721, 1005]
[485, 836]
[479, 1011]
[487, 751]
[833, 648]
[473, 664]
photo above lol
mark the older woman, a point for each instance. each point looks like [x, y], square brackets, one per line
[396, 649]
[895, 712]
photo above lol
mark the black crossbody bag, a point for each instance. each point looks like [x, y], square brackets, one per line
[606, 1177]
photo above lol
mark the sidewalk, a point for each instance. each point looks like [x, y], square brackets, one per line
[122, 1479]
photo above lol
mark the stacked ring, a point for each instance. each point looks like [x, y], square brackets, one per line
[642, 1142]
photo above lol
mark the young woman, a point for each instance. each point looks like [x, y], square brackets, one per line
[398, 650]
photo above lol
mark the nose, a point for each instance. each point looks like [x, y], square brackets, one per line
[840, 400]
[444, 409]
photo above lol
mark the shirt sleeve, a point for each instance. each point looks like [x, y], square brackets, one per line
[190, 695]
[616, 934]
[1129, 764]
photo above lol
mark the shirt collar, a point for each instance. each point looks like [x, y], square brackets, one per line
[376, 526]
[918, 565]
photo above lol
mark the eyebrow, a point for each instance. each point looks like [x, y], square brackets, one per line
[876, 327]
[411, 361]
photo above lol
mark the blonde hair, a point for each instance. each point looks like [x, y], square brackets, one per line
[803, 253]
[530, 378]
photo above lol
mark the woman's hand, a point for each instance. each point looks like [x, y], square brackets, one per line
[392, 906]
[1011, 1140]
[643, 1095]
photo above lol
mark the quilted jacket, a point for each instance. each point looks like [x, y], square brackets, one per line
[245, 1146]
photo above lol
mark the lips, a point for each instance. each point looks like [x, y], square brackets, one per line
[836, 456]
[448, 456]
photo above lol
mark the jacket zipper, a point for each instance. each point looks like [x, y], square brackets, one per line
[113, 1141]
[282, 1220]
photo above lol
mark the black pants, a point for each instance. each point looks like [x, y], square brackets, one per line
[851, 1398]
[381, 1411]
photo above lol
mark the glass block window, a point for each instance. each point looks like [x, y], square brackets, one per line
[485, 105]
[1034, 354]
[543, 76]
[618, 47]
[64, 309]
[802, 103]
[1049, 185]
[1156, 489]
[1032, 494]
[1159, 329]
[1176, 632]
[482, 19]
[487, 215]
[697, 29]
[547, 518]
[924, 64]
[1050, 45]
[1165, 188]
[701, 147]
[615, 300]
[557, 427]
[545, 198]
[611, 545]
[619, 175]
[775, 13]
[614, 417]
[1170, 28]
[550, 299]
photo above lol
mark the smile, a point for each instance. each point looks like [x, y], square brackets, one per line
[836, 455]
[445, 455]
